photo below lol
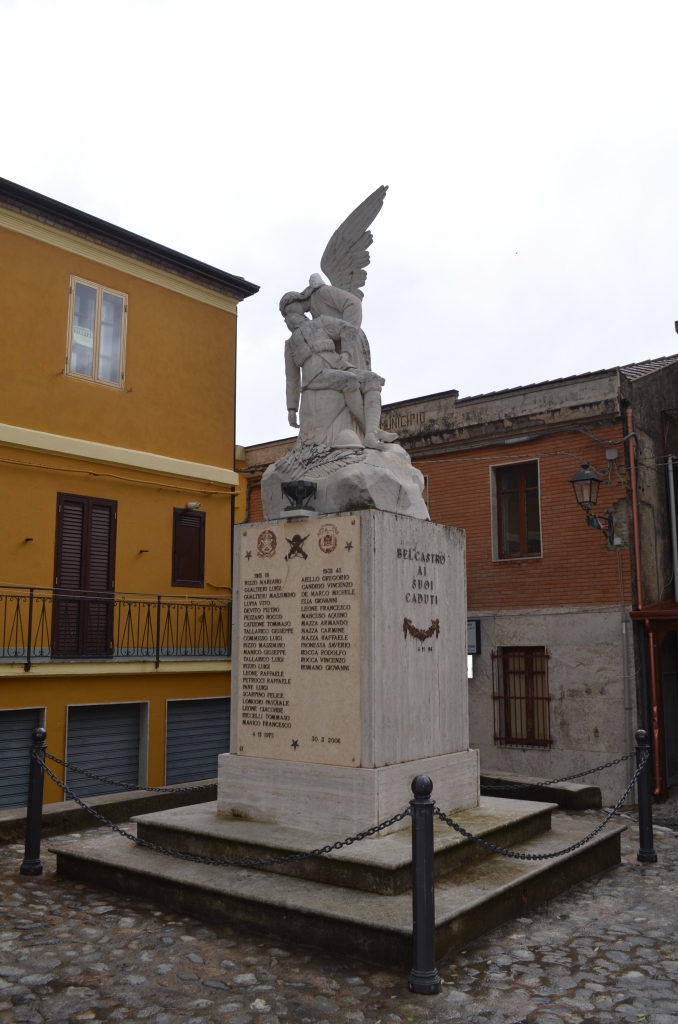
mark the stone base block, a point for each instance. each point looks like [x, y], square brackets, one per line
[468, 902]
[381, 864]
[329, 798]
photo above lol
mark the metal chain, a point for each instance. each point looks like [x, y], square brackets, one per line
[545, 856]
[223, 863]
[566, 778]
[125, 785]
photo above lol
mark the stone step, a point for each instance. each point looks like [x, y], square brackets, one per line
[569, 796]
[469, 901]
[382, 864]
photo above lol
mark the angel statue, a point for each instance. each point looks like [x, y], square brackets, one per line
[327, 358]
[341, 450]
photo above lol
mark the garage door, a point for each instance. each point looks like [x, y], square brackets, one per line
[15, 742]
[197, 732]
[103, 738]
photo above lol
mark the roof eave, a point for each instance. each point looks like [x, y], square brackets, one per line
[68, 216]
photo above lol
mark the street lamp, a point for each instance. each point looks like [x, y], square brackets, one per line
[586, 484]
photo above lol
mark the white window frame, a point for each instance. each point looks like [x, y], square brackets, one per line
[495, 517]
[100, 289]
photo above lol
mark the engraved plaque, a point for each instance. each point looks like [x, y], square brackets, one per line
[298, 608]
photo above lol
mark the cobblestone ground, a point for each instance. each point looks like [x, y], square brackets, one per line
[605, 951]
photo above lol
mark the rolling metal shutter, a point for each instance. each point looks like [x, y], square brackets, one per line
[15, 742]
[103, 738]
[197, 732]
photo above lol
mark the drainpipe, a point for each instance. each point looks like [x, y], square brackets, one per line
[674, 538]
[656, 724]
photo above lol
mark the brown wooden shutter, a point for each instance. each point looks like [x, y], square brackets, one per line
[188, 548]
[69, 547]
[84, 564]
[100, 556]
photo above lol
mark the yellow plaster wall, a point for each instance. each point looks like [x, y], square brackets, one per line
[29, 484]
[179, 379]
[55, 694]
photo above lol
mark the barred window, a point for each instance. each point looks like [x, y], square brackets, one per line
[521, 697]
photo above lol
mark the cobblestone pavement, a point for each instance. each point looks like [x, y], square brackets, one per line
[605, 951]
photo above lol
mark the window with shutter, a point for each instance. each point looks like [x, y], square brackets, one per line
[188, 548]
[84, 565]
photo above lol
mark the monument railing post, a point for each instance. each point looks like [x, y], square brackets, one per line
[32, 865]
[646, 850]
[424, 978]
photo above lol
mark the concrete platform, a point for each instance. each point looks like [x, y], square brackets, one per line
[67, 816]
[469, 901]
[382, 864]
[569, 796]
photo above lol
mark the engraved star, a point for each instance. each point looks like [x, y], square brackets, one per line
[348, 545]
[295, 743]
[248, 555]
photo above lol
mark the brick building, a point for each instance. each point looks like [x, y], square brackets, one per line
[556, 683]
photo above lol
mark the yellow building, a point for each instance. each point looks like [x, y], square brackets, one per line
[118, 477]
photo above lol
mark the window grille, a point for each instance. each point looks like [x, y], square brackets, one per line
[521, 697]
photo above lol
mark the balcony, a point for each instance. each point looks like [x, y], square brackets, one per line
[39, 625]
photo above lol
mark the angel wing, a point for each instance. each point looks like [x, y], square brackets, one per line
[346, 255]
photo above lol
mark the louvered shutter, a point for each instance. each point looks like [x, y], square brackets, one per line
[197, 732]
[188, 549]
[84, 562]
[15, 743]
[103, 738]
[70, 543]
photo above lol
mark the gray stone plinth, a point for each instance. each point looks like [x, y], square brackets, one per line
[381, 864]
[469, 901]
[331, 798]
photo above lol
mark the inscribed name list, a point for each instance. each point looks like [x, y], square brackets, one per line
[299, 628]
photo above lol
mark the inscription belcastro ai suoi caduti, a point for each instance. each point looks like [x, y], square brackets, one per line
[422, 593]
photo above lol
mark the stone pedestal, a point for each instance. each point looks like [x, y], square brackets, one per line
[349, 671]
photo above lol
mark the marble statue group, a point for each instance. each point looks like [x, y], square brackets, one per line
[334, 391]
[330, 380]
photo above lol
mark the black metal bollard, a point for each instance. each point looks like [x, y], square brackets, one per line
[424, 977]
[32, 865]
[646, 850]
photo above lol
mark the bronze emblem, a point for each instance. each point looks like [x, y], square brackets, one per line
[327, 538]
[296, 547]
[266, 544]
[421, 634]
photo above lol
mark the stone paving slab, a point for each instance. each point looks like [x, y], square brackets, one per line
[606, 951]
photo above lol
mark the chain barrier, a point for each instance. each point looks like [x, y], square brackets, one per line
[126, 785]
[288, 859]
[566, 778]
[545, 856]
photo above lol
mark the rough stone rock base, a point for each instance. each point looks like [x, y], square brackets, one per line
[384, 480]
[323, 797]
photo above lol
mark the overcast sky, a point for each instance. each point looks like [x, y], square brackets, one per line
[530, 230]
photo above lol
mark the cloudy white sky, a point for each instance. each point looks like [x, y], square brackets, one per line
[530, 230]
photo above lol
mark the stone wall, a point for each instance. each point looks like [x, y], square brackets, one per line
[586, 685]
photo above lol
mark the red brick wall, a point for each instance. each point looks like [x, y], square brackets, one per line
[575, 568]
[255, 512]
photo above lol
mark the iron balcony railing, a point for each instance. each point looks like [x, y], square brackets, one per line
[39, 624]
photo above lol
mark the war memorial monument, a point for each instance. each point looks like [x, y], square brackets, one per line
[348, 680]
